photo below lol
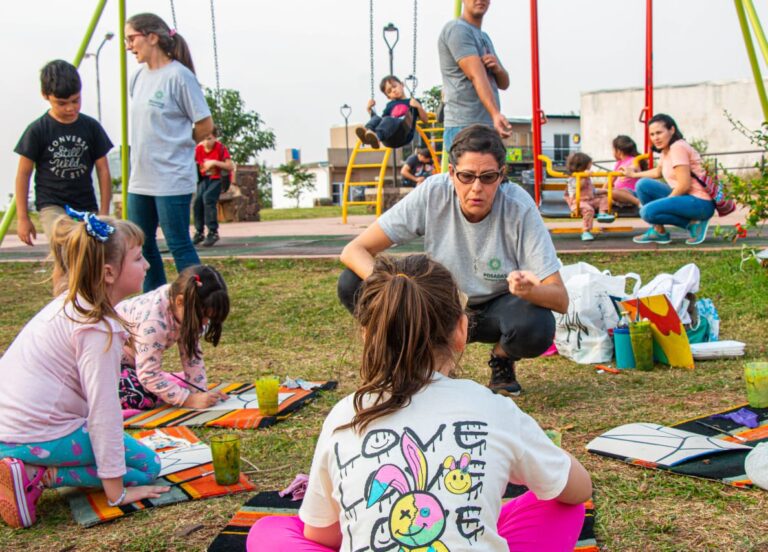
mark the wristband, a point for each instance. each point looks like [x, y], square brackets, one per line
[119, 500]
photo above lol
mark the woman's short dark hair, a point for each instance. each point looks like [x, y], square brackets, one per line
[478, 139]
[668, 123]
[60, 79]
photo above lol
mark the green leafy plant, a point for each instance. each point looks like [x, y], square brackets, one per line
[297, 180]
[751, 191]
[431, 99]
[240, 129]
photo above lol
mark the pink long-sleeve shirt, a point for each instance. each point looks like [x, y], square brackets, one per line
[59, 374]
[156, 329]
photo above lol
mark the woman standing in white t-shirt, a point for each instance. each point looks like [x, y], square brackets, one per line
[169, 116]
[417, 460]
[681, 200]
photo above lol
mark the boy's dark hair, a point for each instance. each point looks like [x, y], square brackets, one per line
[205, 296]
[628, 147]
[388, 78]
[478, 139]
[577, 162]
[215, 131]
[60, 79]
[409, 308]
[668, 123]
[424, 152]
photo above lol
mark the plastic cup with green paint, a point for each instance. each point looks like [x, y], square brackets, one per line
[267, 395]
[642, 344]
[225, 450]
[756, 380]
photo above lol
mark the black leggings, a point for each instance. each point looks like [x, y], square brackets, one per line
[523, 329]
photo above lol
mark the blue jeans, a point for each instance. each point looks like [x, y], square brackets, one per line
[658, 208]
[171, 213]
[449, 134]
[76, 462]
[384, 127]
[204, 207]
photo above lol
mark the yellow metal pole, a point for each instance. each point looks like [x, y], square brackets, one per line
[752, 14]
[752, 56]
[124, 148]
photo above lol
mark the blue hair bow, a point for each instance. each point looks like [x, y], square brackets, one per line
[95, 227]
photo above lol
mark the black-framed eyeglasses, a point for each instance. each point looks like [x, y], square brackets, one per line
[129, 38]
[489, 177]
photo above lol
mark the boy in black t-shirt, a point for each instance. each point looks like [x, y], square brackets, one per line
[62, 148]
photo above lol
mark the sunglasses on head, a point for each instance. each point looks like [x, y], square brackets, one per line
[489, 177]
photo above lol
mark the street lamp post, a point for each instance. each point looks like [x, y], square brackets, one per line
[346, 111]
[391, 29]
[107, 37]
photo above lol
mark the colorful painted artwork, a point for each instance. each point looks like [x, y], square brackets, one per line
[668, 332]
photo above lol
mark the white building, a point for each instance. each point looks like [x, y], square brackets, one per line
[699, 110]
[322, 187]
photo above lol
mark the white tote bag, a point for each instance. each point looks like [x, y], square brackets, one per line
[582, 333]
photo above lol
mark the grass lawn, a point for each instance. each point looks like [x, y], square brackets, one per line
[286, 321]
[310, 212]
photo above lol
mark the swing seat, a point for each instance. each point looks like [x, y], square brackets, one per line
[405, 132]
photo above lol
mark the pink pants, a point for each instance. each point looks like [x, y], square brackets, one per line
[587, 208]
[527, 524]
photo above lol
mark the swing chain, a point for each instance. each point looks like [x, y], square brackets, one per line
[173, 16]
[415, 42]
[215, 52]
[370, 34]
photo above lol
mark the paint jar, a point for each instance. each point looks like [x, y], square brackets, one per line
[622, 344]
[555, 436]
[642, 344]
[225, 450]
[756, 379]
[267, 395]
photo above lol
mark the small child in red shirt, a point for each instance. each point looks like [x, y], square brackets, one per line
[211, 157]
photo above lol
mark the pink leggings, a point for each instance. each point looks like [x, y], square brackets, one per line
[527, 523]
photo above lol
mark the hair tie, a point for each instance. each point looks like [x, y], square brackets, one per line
[198, 280]
[95, 227]
[172, 33]
[403, 275]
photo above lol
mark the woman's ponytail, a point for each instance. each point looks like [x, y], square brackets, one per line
[168, 40]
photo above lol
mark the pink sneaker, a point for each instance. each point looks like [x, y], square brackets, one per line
[18, 495]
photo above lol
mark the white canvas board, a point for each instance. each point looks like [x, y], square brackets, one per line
[176, 460]
[245, 400]
[662, 445]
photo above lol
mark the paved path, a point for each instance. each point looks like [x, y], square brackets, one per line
[325, 238]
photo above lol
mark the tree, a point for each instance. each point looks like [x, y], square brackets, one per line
[298, 180]
[431, 99]
[264, 185]
[239, 129]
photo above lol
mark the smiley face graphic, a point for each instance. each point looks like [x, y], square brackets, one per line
[416, 519]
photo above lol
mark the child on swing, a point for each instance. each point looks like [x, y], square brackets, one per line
[401, 462]
[381, 128]
[60, 421]
[194, 306]
[590, 200]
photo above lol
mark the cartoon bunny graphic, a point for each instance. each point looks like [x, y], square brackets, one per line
[417, 519]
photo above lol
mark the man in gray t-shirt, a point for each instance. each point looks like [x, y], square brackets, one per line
[489, 234]
[472, 74]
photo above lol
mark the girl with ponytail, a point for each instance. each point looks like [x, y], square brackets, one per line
[401, 462]
[169, 116]
[192, 307]
[60, 420]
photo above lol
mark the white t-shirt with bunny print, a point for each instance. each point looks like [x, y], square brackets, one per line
[431, 474]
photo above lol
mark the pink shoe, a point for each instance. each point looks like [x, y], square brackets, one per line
[552, 351]
[18, 495]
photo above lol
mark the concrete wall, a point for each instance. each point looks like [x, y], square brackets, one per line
[322, 189]
[697, 108]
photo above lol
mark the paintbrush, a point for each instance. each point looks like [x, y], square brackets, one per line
[195, 478]
[189, 383]
[721, 430]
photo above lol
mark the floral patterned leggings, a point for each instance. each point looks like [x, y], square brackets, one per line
[74, 464]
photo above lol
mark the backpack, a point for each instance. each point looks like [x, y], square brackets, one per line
[723, 205]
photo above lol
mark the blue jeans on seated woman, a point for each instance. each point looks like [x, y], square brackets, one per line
[659, 208]
[171, 213]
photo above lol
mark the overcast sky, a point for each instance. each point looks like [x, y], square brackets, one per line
[297, 61]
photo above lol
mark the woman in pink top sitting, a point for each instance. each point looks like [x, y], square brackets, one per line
[625, 151]
[681, 200]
